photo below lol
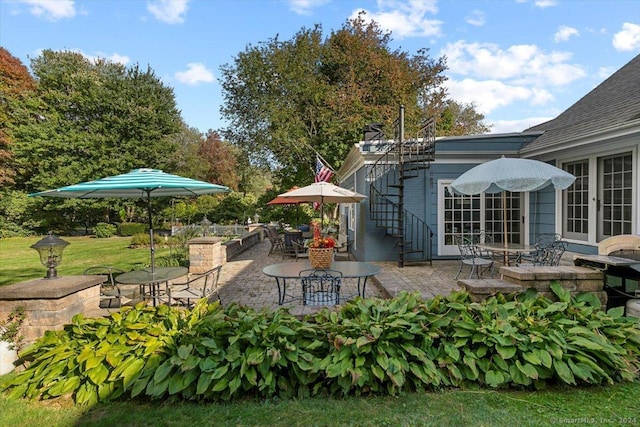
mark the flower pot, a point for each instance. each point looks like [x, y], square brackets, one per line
[321, 258]
[7, 357]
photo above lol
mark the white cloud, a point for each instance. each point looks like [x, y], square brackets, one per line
[476, 18]
[628, 38]
[51, 9]
[605, 72]
[405, 18]
[169, 11]
[489, 95]
[564, 33]
[522, 65]
[508, 126]
[197, 73]
[545, 3]
[114, 57]
[304, 7]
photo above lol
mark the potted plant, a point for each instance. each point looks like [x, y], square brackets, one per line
[321, 249]
[11, 339]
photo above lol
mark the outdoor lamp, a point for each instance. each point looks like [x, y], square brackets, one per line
[50, 250]
[205, 224]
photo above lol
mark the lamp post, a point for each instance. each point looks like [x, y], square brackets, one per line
[50, 250]
[205, 224]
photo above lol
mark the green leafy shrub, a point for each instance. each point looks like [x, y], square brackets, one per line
[369, 346]
[103, 230]
[143, 240]
[131, 228]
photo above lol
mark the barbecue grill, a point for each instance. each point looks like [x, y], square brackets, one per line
[619, 258]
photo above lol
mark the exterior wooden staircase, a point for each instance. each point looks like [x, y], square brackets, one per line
[402, 159]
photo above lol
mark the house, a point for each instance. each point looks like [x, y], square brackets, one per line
[411, 214]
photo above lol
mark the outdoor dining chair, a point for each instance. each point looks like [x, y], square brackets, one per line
[109, 290]
[470, 256]
[277, 242]
[343, 252]
[300, 251]
[546, 253]
[320, 287]
[197, 286]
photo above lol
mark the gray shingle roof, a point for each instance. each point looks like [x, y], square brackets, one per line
[613, 103]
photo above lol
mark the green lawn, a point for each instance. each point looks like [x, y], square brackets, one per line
[18, 262]
[612, 406]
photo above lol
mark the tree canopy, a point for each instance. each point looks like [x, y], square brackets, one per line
[286, 100]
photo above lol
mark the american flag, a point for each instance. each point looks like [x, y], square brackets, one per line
[323, 173]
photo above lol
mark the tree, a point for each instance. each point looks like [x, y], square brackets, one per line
[220, 159]
[92, 119]
[16, 86]
[98, 119]
[460, 119]
[287, 100]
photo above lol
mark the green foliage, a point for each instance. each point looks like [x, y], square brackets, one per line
[143, 240]
[103, 230]
[369, 346]
[287, 99]
[131, 228]
[10, 327]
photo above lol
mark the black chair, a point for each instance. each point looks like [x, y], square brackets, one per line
[320, 287]
[472, 257]
[197, 286]
[109, 289]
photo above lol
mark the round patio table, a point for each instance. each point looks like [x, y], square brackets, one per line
[291, 270]
[145, 278]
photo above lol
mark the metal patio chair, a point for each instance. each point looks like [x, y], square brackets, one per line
[320, 287]
[197, 286]
[109, 289]
[472, 257]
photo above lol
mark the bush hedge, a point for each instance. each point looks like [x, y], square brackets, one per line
[131, 228]
[369, 346]
[104, 230]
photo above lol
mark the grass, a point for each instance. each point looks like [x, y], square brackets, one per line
[612, 405]
[18, 262]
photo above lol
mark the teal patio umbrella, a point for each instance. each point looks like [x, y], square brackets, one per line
[137, 184]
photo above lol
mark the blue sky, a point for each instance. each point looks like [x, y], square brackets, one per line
[521, 62]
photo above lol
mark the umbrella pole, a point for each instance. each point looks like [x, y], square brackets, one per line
[504, 225]
[153, 249]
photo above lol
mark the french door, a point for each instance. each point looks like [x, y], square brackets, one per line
[461, 214]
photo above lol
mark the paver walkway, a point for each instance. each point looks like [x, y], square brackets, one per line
[242, 280]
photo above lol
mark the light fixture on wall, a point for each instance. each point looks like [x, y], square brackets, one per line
[50, 250]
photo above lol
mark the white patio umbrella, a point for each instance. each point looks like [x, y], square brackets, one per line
[138, 184]
[511, 174]
[323, 192]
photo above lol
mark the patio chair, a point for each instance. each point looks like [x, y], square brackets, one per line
[472, 257]
[545, 244]
[197, 286]
[320, 287]
[109, 290]
[300, 251]
[277, 242]
[343, 252]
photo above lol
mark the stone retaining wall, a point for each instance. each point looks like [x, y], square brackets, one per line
[516, 279]
[206, 253]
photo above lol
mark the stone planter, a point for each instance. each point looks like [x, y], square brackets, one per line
[7, 357]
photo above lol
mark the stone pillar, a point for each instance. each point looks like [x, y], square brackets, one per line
[50, 304]
[206, 253]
